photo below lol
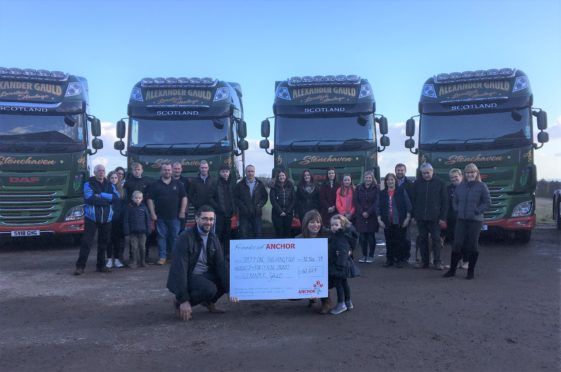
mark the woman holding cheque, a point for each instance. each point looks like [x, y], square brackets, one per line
[312, 228]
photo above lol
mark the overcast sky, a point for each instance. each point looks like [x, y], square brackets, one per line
[395, 44]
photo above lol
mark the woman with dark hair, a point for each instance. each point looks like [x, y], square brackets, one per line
[116, 246]
[307, 194]
[328, 196]
[312, 228]
[394, 214]
[471, 199]
[366, 223]
[282, 201]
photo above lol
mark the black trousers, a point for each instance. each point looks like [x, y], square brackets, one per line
[103, 234]
[367, 239]
[466, 239]
[116, 248]
[397, 249]
[427, 227]
[282, 225]
[223, 229]
[204, 288]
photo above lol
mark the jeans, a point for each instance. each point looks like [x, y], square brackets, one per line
[250, 227]
[368, 239]
[167, 235]
[137, 248]
[343, 289]
[425, 228]
[103, 234]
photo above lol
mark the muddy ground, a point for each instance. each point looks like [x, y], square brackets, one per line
[507, 319]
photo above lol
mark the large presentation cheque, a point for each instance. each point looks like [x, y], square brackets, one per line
[273, 269]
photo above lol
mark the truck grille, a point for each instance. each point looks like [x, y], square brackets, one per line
[37, 208]
[497, 209]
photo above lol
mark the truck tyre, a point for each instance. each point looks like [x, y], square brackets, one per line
[522, 236]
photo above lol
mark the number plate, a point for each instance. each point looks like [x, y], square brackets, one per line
[484, 228]
[23, 233]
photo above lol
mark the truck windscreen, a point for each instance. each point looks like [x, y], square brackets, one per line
[43, 130]
[512, 128]
[165, 133]
[329, 129]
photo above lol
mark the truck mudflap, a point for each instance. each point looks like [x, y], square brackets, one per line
[69, 227]
[514, 223]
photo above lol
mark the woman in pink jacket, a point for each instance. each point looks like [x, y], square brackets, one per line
[344, 202]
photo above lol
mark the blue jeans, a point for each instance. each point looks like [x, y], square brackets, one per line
[167, 235]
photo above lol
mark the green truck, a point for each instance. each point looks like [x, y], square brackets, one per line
[43, 152]
[185, 120]
[485, 117]
[323, 122]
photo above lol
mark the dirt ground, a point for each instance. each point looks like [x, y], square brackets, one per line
[507, 319]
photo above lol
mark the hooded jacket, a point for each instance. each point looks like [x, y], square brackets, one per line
[98, 198]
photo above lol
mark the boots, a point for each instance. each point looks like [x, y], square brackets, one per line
[325, 306]
[454, 259]
[471, 268]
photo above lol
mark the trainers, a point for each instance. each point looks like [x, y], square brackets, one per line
[370, 260]
[161, 261]
[362, 260]
[349, 305]
[78, 271]
[438, 266]
[118, 264]
[340, 308]
[463, 265]
[109, 263]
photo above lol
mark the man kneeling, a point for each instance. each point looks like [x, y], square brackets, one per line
[198, 272]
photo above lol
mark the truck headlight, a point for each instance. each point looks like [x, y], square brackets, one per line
[523, 209]
[75, 213]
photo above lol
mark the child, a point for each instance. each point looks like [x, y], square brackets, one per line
[136, 226]
[341, 244]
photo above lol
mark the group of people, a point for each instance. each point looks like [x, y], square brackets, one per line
[124, 211]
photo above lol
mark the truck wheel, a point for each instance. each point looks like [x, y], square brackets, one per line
[522, 236]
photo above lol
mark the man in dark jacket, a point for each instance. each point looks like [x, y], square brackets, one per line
[430, 207]
[99, 194]
[198, 273]
[202, 188]
[176, 170]
[224, 200]
[250, 196]
[404, 183]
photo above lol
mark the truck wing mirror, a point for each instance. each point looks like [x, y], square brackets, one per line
[264, 144]
[119, 145]
[242, 129]
[543, 137]
[95, 127]
[97, 143]
[385, 141]
[542, 119]
[410, 130]
[121, 129]
[243, 145]
[265, 130]
[383, 122]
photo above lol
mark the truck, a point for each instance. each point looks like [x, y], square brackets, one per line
[185, 120]
[322, 122]
[44, 153]
[485, 117]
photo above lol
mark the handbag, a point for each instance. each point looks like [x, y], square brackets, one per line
[354, 271]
